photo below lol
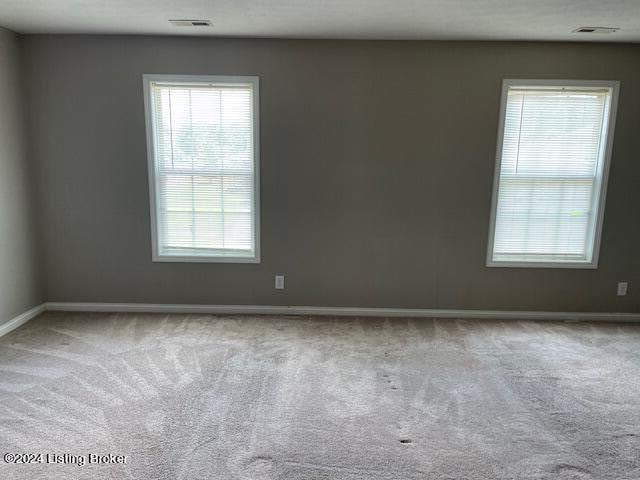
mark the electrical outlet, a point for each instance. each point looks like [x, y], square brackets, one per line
[279, 282]
[622, 288]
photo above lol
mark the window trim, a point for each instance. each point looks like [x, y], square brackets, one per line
[602, 194]
[147, 79]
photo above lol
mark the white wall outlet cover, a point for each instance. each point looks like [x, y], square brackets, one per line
[279, 282]
[622, 288]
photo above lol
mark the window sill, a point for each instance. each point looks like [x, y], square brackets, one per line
[542, 264]
[203, 259]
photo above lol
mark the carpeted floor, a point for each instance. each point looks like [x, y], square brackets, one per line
[257, 398]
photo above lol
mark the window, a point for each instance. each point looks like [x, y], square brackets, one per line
[554, 145]
[202, 140]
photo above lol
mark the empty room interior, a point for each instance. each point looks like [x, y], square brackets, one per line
[355, 239]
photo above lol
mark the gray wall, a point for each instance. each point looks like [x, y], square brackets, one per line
[20, 287]
[377, 167]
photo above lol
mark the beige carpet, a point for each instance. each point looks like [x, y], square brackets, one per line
[205, 397]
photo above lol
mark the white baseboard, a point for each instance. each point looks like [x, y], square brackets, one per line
[305, 310]
[342, 311]
[21, 319]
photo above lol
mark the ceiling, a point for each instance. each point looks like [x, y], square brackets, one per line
[362, 19]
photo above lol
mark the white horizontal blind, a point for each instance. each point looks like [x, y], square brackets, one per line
[204, 168]
[551, 172]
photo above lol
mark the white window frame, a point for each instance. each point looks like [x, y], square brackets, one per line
[151, 164]
[599, 198]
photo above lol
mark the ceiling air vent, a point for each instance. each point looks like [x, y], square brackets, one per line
[596, 30]
[190, 23]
